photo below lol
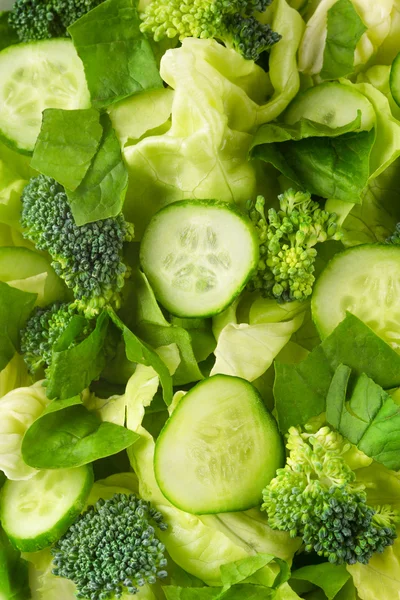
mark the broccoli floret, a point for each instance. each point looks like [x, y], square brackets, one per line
[395, 237]
[316, 497]
[232, 22]
[43, 19]
[112, 549]
[287, 239]
[88, 258]
[42, 331]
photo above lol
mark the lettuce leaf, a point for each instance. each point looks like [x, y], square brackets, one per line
[7, 35]
[19, 408]
[13, 572]
[15, 309]
[247, 350]
[219, 101]
[330, 578]
[117, 57]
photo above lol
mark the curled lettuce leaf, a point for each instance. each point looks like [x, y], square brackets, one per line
[219, 101]
[247, 349]
[18, 410]
[14, 375]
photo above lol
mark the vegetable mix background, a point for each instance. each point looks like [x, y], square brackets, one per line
[199, 300]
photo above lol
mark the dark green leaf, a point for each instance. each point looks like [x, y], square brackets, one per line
[67, 142]
[139, 352]
[74, 367]
[14, 583]
[370, 419]
[344, 30]
[102, 192]
[67, 435]
[330, 167]
[330, 578]
[7, 34]
[117, 57]
[300, 390]
[15, 308]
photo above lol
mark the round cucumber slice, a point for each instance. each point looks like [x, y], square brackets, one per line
[332, 104]
[394, 79]
[35, 513]
[364, 280]
[35, 76]
[198, 256]
[30, 271]
[219, 448]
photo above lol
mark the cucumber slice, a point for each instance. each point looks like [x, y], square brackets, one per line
[364, 280]
[35, 513]
[35, 76]
[394, 79]
[333, 104]
[219, 448]
[198, 255]
[30, 271]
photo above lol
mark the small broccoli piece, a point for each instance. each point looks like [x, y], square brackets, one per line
[88, 258]
[315, 496]
[42, 332]
[287, 239]
[232, 22]
[43, 19]
[395, 237]
[112, 549]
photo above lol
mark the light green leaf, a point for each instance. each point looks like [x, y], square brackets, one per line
[330, 578]
[19, 408]
[380, 578]
[15, 309]
[66, 144]
[344, 30]
[117, 57]
[14, 583]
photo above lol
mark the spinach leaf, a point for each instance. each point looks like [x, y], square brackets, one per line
[370, 418]
[7, 34]
[15, 309]
[67, 142]
[102, 192]
[67, 435]
[74, 367]
[344, 30]
[14, 583]
[330, 167]
[300, 390]
[139, 352]
[117, 57]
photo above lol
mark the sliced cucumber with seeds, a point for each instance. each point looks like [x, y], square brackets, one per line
[332, 104]
[219, 448]
[35, 513]
[35, 76]
[198, 255]
[364, 280]
[395, 79]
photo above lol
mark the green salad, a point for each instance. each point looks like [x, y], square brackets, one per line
[200, 300]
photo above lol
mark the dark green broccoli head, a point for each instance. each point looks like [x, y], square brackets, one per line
[112, 549]
[232, 22]
[316, 497]
[43, 19]
[42, 331]
[88, 258]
